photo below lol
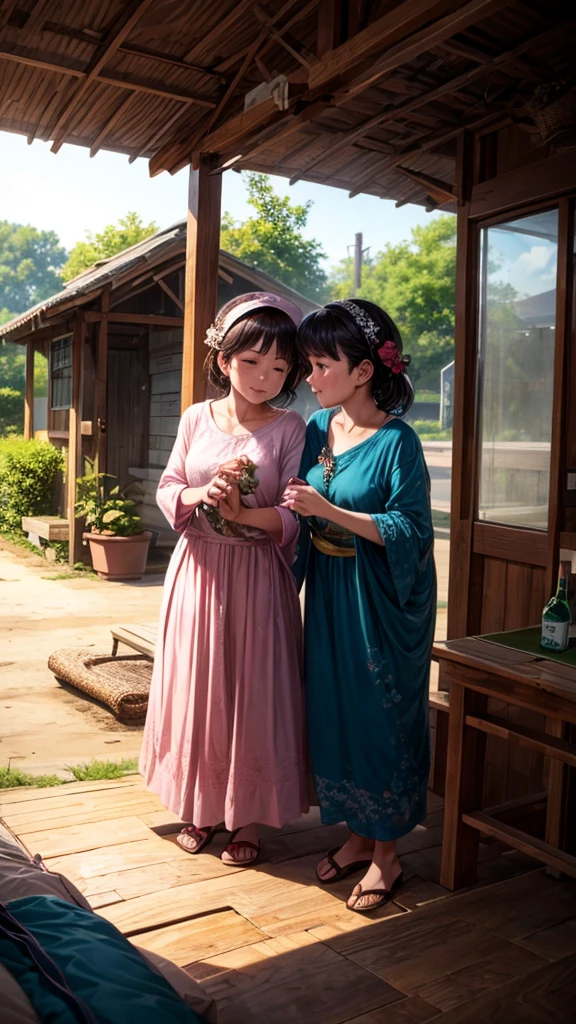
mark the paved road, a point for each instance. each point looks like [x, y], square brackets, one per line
[439, 461]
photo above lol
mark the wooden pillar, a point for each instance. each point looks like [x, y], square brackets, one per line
[464, 440]
[102, 385]
[29, 392]
[201, 296]
[75, 440]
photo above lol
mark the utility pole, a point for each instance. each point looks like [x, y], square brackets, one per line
[357, 262]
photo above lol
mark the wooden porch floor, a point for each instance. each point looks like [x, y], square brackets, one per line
[272, 946]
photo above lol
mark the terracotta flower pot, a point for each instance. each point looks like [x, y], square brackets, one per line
[119, 558]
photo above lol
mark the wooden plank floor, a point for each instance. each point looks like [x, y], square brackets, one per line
[270, 945]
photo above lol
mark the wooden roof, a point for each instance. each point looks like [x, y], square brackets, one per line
[142, 265]
[375, 93]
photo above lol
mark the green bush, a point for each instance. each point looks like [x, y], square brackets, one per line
[27, 473]
[107, 510]
[11, 411]
[431, 430]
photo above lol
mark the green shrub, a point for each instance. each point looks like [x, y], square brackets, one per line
[27, 473]
[431, 430]
[11, 412]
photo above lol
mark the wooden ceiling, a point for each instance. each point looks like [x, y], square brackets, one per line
[376, 91]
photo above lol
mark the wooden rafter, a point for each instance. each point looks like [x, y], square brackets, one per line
[441, 191]
[220, 29]
[121, 28]
[299, 15]
[144, 52]
[150, 144]
[111, 123]
[6, 13]
[171, 295]
[418, 43]
[34, 60]
[190, 144]
[292, 46]
[401, 110]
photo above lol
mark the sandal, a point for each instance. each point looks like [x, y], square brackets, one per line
[203, 836]
[342, 871]
[232, 846]
[385, 895]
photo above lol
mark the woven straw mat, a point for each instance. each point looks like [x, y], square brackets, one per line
[122, 683]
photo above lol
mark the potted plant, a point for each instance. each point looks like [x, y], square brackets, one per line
[553, 110]
[117, 540]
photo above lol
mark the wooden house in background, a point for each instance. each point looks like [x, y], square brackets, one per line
[129, 309]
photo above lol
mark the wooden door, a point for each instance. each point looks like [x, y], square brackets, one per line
[508, 437]
[128, 406]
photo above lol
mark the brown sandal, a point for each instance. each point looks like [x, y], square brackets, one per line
[231, 846]
[204, 837]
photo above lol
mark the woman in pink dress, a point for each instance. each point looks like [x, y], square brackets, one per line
[224, 739]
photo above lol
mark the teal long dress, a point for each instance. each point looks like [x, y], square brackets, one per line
[369, 625]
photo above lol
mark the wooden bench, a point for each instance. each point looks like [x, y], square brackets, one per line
[50, 528]
[140, 637]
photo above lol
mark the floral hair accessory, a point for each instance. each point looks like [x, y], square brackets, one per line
[388, 352]
[365, 322]
[248, 304]
[391, 357]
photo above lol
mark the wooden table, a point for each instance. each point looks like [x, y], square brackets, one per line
[478, 670]
[140, 637]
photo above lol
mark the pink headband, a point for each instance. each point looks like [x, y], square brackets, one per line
[248, 304]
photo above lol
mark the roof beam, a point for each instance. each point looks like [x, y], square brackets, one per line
[35, 60]
[120, 30]
[95, 39]
[6, 13]
[111, 123]
[392, 113]
[303, 12]
[180, 148]
[391, 28]
[416, 44]
[292, 46]
[219, 29]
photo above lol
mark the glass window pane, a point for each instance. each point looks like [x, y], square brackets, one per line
[61, 373]
[516, 339]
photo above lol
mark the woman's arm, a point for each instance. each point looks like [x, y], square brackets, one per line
[307, 501]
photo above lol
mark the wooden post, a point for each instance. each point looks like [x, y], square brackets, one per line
[464, 440]
[201, 296]
[102, 385]
[75, 439]
[29, 393]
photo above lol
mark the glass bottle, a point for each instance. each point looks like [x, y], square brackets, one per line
[556, 617]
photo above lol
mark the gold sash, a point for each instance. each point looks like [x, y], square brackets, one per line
[327, 548]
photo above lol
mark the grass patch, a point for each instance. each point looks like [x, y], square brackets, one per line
[11, 778]
[19, 540]
[79, 570]
[431, 430]
[95, 770]
[427, 396]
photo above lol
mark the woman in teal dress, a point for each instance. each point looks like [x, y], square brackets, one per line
[367, 552]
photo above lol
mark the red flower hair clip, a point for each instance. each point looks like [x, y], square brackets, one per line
[390, 356]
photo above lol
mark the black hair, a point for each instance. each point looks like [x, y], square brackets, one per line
[333, 332]
[262, 327]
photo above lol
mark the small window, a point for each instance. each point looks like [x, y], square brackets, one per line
[61, 373]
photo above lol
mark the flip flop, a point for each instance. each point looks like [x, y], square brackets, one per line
[342, 871]
[231, 846]
[205, 837]
[385, 895]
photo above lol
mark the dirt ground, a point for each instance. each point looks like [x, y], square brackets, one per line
[43, 725]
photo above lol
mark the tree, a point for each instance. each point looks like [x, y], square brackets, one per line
[113, 239]
[272, 241]
[414, 282]
[30, 266]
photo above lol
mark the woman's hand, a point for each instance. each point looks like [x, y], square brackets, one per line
[234, 468]
[306, 500]
[217, 490]
[230, 506]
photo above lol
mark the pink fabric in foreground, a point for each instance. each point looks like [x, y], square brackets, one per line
[224, 736]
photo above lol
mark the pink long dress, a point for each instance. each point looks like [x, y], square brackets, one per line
[224, 736]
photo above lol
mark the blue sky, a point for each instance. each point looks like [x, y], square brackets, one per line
[69, 193]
